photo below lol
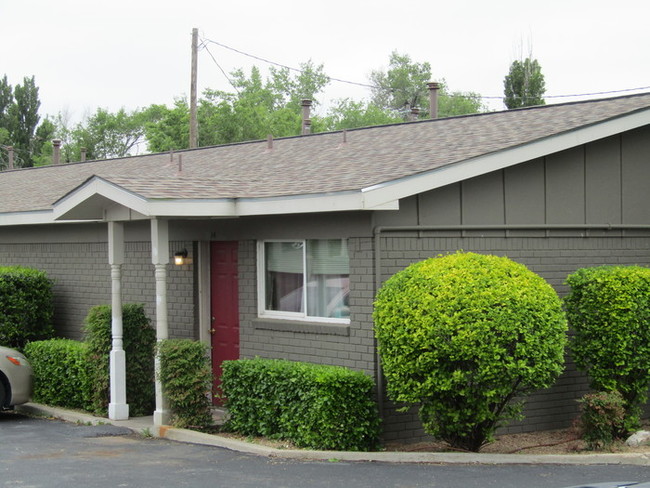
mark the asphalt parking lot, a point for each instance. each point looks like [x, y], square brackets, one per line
[51, 453]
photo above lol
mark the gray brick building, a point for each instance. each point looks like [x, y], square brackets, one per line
[287, 241]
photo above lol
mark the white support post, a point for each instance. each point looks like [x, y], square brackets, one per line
[118, 409]
[160, 258]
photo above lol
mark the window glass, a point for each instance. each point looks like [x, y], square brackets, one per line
[324, 266]
[328, 279]
[284, 276]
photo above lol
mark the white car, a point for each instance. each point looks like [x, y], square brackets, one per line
[16, 378]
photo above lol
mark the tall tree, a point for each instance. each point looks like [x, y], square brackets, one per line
[404, 86]
[24, 118]
[255, 108]
[524, 85]
[108, 134]
[350, 114]
[19, 120]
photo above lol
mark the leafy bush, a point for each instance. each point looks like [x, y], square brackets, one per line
[186, 379]
[60, 373]
[462, 336]
[139, 346]
[315, 406]
[26, 306]
[609, 310]
[602, 418]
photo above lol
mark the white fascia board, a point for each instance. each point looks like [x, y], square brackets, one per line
[26, 218]
[192, 208]
[99, 186]
[455, 172]
[334, 202]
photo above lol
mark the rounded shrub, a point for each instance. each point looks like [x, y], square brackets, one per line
[608, 308]
[463, 336]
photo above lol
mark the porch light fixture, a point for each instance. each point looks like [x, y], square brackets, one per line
[180, 258]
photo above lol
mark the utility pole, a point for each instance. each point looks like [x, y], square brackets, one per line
[194, 123]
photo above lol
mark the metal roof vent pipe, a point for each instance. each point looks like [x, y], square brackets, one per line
[10, 156]
[415, 114]
[433, 99]
[306, 121]
[56, 151]
[83, 154]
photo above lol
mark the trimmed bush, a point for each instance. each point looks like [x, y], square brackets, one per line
[139, 346]
[314, 406]
[186, 379]
[602, 418]
[60, 373]
[609, 310]
[26, 306]
[462, 336]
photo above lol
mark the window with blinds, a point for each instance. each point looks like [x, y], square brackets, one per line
[309, 278]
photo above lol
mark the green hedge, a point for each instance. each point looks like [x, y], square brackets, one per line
[139, 346]
[26, 306]
[60, 373]
[186, 378]
[314, 406]
[609, 310]
[462, 336]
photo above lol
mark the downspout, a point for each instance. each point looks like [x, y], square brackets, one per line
[460, 228]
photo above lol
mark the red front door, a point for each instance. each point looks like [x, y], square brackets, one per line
[224, 307]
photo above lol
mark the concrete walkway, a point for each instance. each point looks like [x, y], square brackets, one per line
[144, 425]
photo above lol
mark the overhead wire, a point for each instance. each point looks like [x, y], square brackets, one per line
[366, 85]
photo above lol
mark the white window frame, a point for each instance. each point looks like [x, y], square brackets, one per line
[261, 289]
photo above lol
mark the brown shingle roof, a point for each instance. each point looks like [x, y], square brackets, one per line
[315, 164]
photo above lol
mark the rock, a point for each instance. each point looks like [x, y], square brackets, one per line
[640, 438]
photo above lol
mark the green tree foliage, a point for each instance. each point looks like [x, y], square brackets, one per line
[19, 122]
[609, 309]
[404, 86]
[462, 336]
[256, 108]
[349, 114]
[524, 85]
[108, 134]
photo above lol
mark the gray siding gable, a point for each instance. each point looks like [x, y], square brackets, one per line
[602, 182]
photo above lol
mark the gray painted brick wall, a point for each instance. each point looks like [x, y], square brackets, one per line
[82, 280]
[551, 257]
[301, 341]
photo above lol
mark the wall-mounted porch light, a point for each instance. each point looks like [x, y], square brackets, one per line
[180, 258]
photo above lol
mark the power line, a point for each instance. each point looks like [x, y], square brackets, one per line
[365, 85]
[280, 65]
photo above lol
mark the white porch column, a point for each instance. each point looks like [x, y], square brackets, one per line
[160, 258]
[118, 409]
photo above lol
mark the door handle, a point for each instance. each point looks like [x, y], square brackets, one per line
[212, 331]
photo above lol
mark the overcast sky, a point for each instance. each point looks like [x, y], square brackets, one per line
[87, 54]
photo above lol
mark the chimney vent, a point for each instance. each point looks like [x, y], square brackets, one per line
[415, 112]
[433, 99]
[306, 121]
[56, 151]
[83, 154]
[10, 154]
